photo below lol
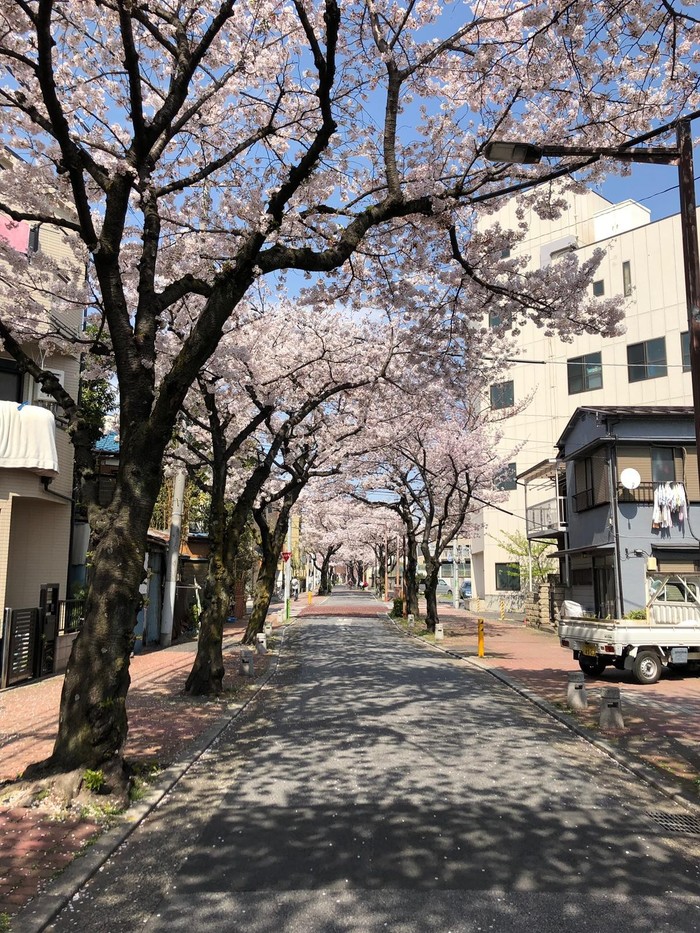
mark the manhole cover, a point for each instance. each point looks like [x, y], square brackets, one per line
[676, 822]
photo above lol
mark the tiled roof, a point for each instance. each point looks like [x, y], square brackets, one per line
[109, 444]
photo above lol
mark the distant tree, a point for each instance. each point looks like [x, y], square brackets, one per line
[532, 556]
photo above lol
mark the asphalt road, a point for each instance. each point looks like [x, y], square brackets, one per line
[376, 785]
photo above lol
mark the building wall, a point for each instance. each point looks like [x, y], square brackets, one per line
[656, 308]
[38, 550]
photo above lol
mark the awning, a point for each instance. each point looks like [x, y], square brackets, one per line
[593, 549]
[28, 439]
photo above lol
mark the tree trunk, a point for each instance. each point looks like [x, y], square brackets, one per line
[93, 722]
[432, 569]
[411, 579]
[325, 586]
[272, 542]
[207, 674]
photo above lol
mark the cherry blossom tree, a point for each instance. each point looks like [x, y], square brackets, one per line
[195, 147]
[277, 405]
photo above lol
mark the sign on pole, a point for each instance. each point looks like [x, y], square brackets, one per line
[286, 555]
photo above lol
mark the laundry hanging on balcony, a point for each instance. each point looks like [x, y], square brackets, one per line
[669, 501]
[28, 439]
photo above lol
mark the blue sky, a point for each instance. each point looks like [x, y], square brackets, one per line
[654, 186]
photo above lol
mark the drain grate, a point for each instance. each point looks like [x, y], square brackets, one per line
[676, 822]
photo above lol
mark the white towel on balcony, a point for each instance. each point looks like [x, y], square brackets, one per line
[27, 439]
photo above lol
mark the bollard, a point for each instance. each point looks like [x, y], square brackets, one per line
[503, 610]
[267, 629]
[311, 595]
[261, 643]
[576, 696]
[480, 638]
[411, 618]
[610, 709]
[439, 631]
[247, 664]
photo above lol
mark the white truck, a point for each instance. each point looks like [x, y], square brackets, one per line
[669, 635]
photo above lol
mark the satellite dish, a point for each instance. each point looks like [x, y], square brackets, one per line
[630, 478]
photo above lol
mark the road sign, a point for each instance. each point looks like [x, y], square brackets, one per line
[286, 555]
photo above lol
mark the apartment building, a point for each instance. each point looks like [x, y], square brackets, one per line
[647, 365]
[36, 485]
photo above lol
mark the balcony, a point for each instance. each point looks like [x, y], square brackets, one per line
[543, 520]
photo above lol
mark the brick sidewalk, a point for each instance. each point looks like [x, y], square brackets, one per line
[162, 723]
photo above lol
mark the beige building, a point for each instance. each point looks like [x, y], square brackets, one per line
[647, 365]
[36, 488]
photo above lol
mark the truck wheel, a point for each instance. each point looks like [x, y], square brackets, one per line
[647, 667]
[592, 667]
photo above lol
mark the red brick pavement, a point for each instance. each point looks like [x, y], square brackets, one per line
[162, 722]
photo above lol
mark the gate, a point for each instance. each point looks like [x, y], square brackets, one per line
[21, 644]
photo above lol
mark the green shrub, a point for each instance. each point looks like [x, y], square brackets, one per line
[636, 614]
[94, 780]
[397, 610]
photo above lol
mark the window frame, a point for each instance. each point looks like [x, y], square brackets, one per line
[586, 363]
[504, 572]
[641, 370]
[497, 392]
[626, 278]
[685, 351]
[599, 288]
[506, 479]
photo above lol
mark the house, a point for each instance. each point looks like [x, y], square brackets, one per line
[643, 264]
[621, 501]
[36, 487]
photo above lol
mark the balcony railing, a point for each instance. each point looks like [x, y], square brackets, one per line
[543, 519]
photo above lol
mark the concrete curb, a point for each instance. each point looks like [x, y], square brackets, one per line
[40, 912]
[626, 761]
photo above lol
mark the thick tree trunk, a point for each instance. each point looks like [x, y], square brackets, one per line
[272, 543]
[432, 569]
[411, 579]
[325, 583]
[93, 722]
[207, 674]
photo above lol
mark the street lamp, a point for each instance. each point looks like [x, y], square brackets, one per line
[680, 155]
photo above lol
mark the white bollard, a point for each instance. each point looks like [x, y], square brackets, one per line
[411, 618]
[576, 696]
[439, 631]
[247, 664]
[261, 643]
[610, 709]
[268, 629]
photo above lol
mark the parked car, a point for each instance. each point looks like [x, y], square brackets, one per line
[443, 587]
[465, 589]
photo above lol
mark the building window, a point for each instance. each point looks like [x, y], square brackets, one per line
[502, 394]
[646, 360]
[598, 288]
[508, 576]
[685, 351]
[506, 478]
[10, 381]
[505, 253]
[33, 244]
[626, 279]
[585, 373]
[591, 482]
[663, 465]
